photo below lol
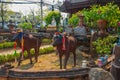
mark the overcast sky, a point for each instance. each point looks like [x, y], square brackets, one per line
[25, 8]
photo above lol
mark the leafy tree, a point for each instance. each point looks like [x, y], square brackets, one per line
[25, 25]
[3, 10]
[74, 20]
[110, 12]
[48, 18]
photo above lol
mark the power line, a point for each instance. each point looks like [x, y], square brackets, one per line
[28, 2]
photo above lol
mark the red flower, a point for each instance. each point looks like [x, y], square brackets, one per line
[119, 23]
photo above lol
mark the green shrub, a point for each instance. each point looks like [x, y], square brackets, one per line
[17, 55]
[46, 41]
[6, 45]
[104, 46]
[32, 51]
[2, 59]
[1, 46]
[10, 57]
[42, 51]
[25, 54]
[49, 49]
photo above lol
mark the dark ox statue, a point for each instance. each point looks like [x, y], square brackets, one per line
[70, 46]
[29, 43]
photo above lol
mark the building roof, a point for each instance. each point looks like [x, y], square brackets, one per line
[72, 6]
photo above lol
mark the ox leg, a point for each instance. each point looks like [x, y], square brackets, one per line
[66, 59]
[60, 57]
[36, 54]
[74, 54]
[19, 61]
[29, 55]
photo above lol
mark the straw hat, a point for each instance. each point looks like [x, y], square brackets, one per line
[19, 30]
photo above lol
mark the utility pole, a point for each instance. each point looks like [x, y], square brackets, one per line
[53, 6]
[41, 14]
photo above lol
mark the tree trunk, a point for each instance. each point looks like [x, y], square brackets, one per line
[2, 15]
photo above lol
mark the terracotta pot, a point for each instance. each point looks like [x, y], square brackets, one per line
[119, 23]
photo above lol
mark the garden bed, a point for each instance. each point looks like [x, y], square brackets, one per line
[47, 68]
[48, 62]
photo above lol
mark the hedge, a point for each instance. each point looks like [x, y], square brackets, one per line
[11, 57]
[10, 44]
[6, 45]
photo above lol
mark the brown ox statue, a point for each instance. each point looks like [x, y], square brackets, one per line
[69, 45]
[29, 43]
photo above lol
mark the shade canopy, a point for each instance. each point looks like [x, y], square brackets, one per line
[73, 6]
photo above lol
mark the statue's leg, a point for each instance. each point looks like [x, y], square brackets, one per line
[74, 55]
[66, 59]
[60, 58]
[19, 60]
[36, 54]
[29, 55]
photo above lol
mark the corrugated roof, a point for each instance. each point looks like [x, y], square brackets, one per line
[72, 6]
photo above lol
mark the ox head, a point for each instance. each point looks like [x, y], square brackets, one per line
[57, 40]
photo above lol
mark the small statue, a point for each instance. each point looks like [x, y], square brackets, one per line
[53, 23]
[102, 33]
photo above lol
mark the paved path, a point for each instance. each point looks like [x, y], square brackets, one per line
[11, 50]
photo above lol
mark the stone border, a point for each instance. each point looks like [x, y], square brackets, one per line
[49, 74]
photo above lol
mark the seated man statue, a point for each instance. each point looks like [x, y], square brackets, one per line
[80, 31]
